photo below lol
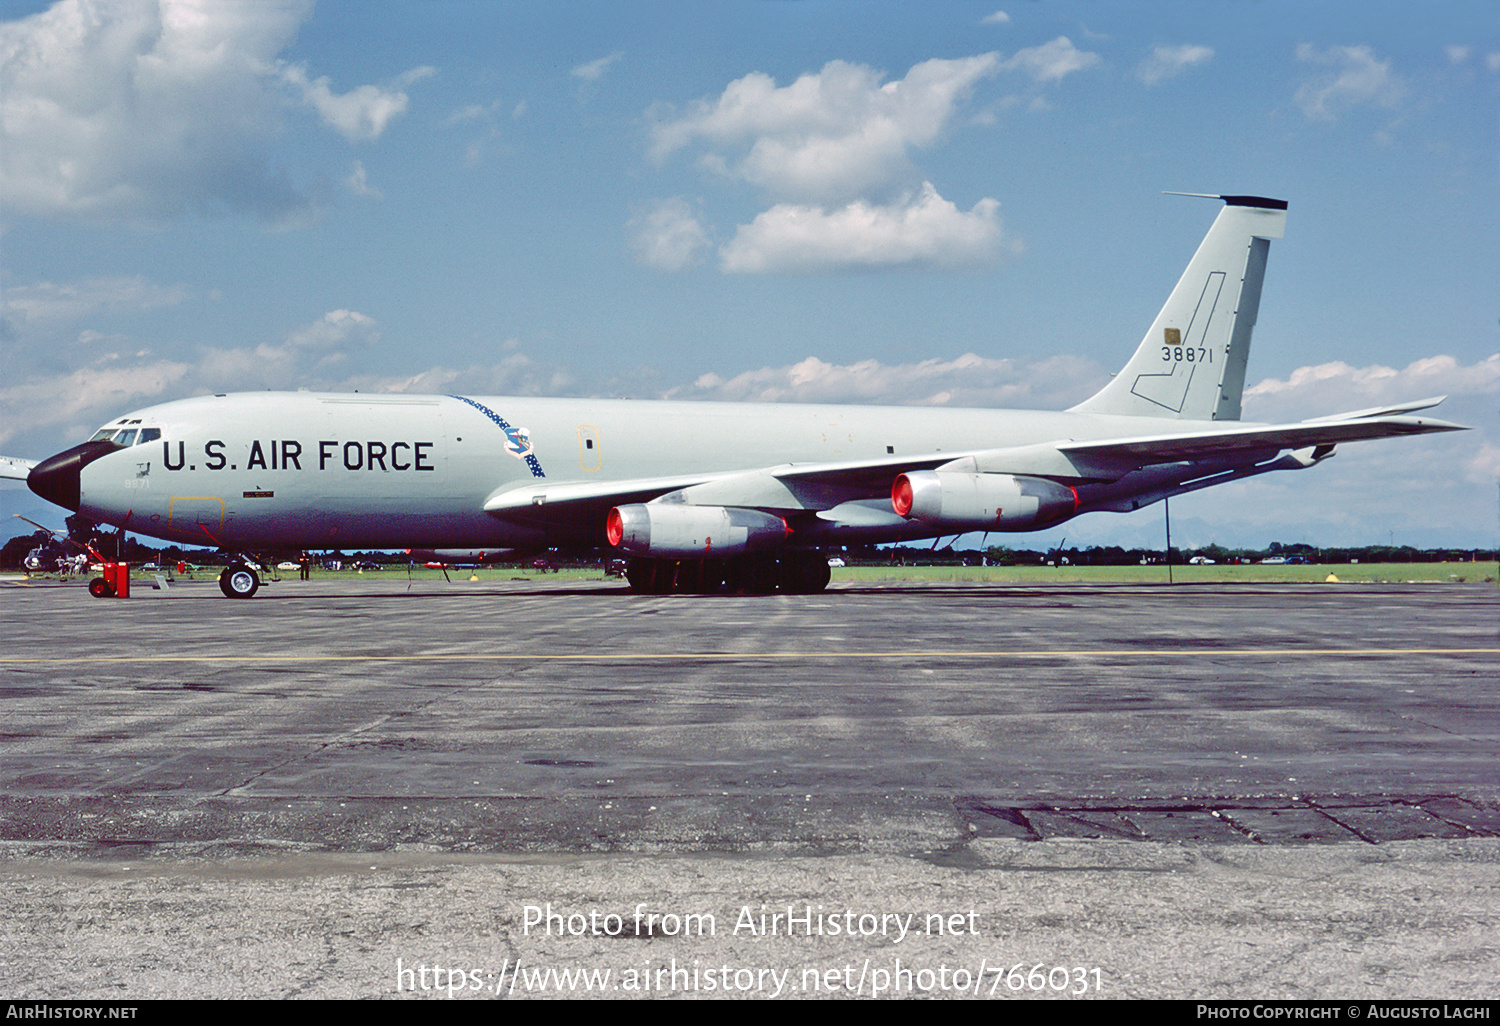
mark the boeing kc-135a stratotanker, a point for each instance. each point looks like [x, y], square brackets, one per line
[705, 495]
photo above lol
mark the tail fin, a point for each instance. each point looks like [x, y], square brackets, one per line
[1191, 364]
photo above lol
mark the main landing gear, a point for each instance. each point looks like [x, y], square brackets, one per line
[798, 572]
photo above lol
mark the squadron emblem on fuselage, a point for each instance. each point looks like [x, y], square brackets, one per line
[517, 440]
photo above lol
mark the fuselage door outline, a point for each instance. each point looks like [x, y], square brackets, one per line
[588, 447]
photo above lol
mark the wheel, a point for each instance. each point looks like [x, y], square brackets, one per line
[239, 581]
[640, 573]
[99, 588]
[804, 573]
[753, 574]
[651, 576]
[710, 577]
[666, 577]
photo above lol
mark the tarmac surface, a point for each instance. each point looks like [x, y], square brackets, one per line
[368, 788]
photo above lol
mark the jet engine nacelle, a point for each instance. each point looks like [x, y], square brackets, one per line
[683, 532]
[982, 502]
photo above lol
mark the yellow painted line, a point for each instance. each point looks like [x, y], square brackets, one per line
[598, 657]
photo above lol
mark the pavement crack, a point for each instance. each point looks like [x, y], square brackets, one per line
[447, 692]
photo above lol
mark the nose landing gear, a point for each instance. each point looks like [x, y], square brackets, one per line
[239, 580]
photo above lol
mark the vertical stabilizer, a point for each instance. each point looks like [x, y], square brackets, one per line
[1191, 364]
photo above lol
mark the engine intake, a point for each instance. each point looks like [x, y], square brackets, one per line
[982, 502]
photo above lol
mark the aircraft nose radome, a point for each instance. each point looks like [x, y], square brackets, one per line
[56, 477]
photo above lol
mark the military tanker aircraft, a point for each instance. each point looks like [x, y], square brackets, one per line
[704, 496]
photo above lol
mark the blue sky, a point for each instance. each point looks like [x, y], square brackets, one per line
[945, 204]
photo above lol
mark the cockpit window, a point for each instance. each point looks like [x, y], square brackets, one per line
[126, 437]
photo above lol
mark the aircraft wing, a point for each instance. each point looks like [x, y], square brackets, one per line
[1383, 411]
[1152, 449]
[1109, 459]
[789, 486]
[823, 486]
[15, 468]
[527, 500]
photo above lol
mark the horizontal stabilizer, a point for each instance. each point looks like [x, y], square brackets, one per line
[14, 468]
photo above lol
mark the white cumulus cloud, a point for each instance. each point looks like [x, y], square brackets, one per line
[148, 110]
[1337, 386]
[358, 182]
[1354, 78]
[669, 237]
[594, 70]
[337, 329]
[1170, 61]
[1470, 388]
[966, 381]
[362, 113]
[828, 136]
[1052, 62]
[73, 403]
[924, 229]
[46, 301]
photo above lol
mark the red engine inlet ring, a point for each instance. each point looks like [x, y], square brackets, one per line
[901, 495]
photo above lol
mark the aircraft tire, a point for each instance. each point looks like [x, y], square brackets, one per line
[99, 588]
[689, 572]
[637, 573]
[804, 573]
[754, 574]
[665, 582]
[651, 576]
[734, 575]
[239, 581]
[710, 577]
